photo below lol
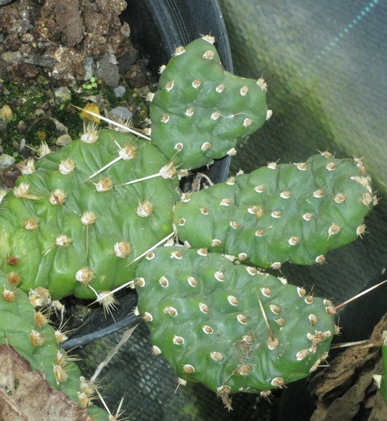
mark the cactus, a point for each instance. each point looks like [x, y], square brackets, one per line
[73, 224]
[201, 112]
[230, 326]
[278, 213]
[29, 332]
[83, 220]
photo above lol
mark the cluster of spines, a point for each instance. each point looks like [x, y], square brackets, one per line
[182, 322]
[274, 214]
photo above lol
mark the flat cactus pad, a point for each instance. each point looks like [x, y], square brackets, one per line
[281, 212]
[230, 326]
[200, 111]
[72, 224]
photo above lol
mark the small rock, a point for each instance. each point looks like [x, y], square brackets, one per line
[6, 113]
[69, 21]
[9, 175]
[12, 42]
[108, 70]
[128, 59]
[21, 126]
[42, 61]
[89, 68]
[122, 113]
[136, 76]
[3, 124]
[119, 92]
[39, 112]
[11, 57]
[6, 160]
[63, 93]
[63, 140]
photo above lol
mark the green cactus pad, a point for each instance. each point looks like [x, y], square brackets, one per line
[61, 230]
[288, 212]
[200, 111]
[29, 332]
[205, 318]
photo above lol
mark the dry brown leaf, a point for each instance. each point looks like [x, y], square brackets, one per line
[26, 396]
[347, 406]
[343, 386]
[343, 368]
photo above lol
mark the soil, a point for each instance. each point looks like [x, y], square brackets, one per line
[54, 54]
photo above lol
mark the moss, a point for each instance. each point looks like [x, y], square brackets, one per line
[35, 110]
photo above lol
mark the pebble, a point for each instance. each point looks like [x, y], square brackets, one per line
[122, 113]
[89, 68]
[63, 140]
[6, 160]
[108, 70]
[63, 93]
[120, 91]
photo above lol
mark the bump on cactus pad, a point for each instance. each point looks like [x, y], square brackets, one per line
[205, 318]
[200, 111]
[62, 230]
[278, 213]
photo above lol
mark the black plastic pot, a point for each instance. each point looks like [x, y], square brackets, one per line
[157, 27]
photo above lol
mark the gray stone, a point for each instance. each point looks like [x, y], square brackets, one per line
[6, 160]
[108, 70]
[122, 112]
[63, 140]
[119, 92]
[89, 68]
[63, 93]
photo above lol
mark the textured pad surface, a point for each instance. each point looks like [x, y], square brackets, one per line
[287, 212]
[58, 227]
[205, 318]
[200, 111]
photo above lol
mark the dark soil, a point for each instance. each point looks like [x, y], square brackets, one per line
[50, 53]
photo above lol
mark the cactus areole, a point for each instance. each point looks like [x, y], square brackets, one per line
[92, 217]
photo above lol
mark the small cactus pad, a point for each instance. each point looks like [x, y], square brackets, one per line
[229, 326]
[200, 111]
[28, 331]
[278, 213]
[72, 222]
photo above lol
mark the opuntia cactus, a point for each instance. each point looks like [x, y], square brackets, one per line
[82, 220]
[28, 330]
[278, 213]
[75, 223]
[229, 326]
[200, 111]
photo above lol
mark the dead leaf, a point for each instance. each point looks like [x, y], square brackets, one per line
[93, 108]
[26, 396]
[342, 387]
